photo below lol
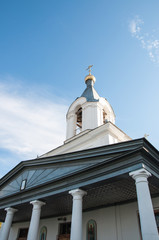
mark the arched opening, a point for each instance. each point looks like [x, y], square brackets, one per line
[79, 120]
[91, 230]
[43, 233]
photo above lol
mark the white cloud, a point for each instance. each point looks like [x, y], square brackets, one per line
[30, 126]
[135, 25]
[148, 41]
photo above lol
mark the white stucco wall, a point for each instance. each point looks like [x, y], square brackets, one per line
[113, 223]
[52, 225]
[15, 230]
[92, 115]
[101, 136]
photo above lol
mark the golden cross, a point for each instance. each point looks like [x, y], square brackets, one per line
[89, 69]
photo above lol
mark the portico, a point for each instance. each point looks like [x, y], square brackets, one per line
[105, 184]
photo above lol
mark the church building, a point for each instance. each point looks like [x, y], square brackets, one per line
[99, 185]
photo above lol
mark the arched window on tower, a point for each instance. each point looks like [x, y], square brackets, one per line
[79, 121]
[91, 230]
[104, 116]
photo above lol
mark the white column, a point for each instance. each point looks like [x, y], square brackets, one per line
[35, 219]
[8, 222]
[76, 224]
[146, 213]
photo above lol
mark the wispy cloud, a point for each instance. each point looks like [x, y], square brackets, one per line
[29, 125]
[135, 25]
[148, 40]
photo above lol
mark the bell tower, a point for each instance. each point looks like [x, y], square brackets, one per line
[88, 111]
[90, 122]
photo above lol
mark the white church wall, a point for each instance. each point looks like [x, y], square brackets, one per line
[129, 222]
[15, 230]
[71, 123]
[104, 135]
[105, 220]
[71, 117]
[119, 222]
[52, 225]
[108, 109]
[92, 115]
[52, 228]
[115, 223]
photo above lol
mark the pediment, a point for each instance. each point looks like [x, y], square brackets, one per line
[70, 169]
[36, 177]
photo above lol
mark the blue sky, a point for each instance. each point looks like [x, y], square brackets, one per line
[45, 47]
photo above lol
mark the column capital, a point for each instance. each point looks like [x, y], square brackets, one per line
[8, 222]
[140, 175]
[37, 204]
[10, 210]
[77, 193]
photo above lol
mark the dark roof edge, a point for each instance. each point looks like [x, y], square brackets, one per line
[112, 148]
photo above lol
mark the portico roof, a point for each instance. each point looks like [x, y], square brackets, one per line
[103, 172]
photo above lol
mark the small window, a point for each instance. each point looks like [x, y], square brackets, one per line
[64, 231]
[91, 230]
[23, 233]
[23, 184]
